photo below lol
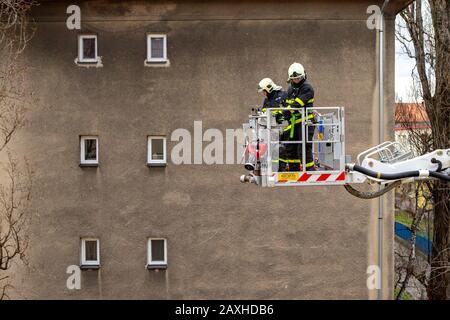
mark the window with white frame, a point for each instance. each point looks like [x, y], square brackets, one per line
[157, 253]
[156, 151]
[90, 252]
[88, 150]
[87, 48]
[156, 48]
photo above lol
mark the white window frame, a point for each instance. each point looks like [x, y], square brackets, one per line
[89, 263]
[82, 150]
[153, 162]
[149, 47]
[157, 263]
[80, 48]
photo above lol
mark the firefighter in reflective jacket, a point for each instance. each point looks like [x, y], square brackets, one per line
[274, 94]
[300, 95]
[275, 98]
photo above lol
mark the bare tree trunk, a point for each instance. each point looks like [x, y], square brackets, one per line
[439, 112]
[439, 277]
[411, 260]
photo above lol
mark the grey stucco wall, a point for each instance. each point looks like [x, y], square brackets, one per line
[225, 240]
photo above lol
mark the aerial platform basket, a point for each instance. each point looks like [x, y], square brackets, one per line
[264, 145]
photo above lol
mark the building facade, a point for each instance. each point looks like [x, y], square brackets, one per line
[161, 66]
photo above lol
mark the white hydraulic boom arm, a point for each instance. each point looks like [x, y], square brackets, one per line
[433, 165]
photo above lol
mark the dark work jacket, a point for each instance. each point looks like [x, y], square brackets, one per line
[275, 99]
[301, 95]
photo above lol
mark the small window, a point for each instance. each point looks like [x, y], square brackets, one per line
[89, 151]
[157, 254]
[156, 151]
[90, 253]
[87, 48]
[156, 48]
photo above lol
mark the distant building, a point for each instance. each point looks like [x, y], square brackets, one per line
[410, 117]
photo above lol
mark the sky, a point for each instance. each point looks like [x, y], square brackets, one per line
[403, 64]
[403, 67]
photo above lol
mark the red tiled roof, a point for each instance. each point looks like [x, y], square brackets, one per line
[411, 116]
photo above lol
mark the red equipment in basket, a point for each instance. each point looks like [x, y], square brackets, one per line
[258, 153]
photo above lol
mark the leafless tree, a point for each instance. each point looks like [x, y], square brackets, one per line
[15, 184]
[15, 32]
[14, 216]
[425, 36]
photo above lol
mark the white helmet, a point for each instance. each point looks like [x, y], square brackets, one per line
[268, 85]
[296, 71]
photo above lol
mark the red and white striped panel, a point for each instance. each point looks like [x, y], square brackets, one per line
[312, 177]
[322, 177]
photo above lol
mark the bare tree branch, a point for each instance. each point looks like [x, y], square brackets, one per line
[15, 189]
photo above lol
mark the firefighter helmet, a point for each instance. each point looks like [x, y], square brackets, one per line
[268, 85]
[296, 71]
